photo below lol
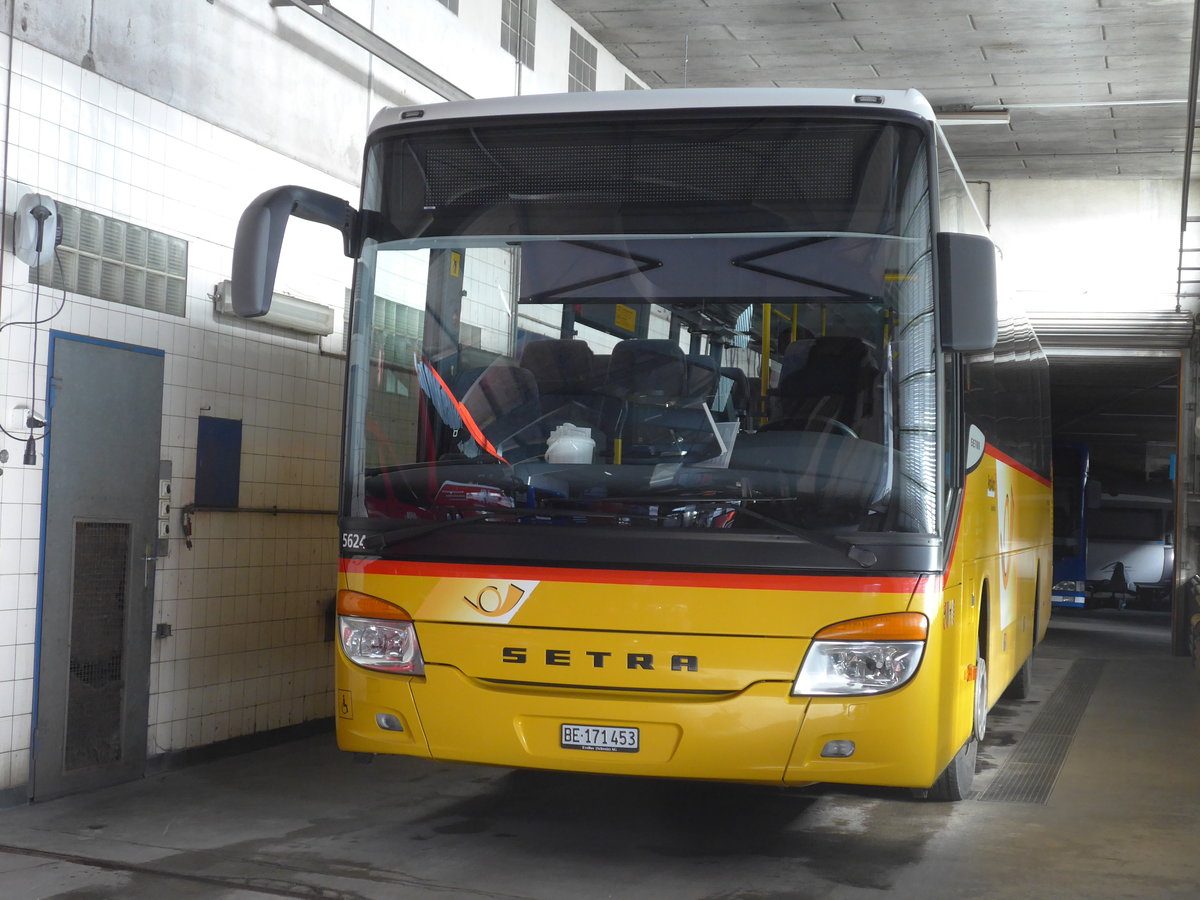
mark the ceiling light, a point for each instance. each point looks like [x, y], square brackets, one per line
[1081, 104]
[974, 117]
[286, 312]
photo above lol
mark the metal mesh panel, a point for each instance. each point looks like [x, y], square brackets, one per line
[815, 166]
[94, 690]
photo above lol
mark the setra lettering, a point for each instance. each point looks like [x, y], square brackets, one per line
[599, 659]
[513, 655]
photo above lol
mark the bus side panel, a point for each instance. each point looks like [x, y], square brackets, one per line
[1004, 555]
[1008, 558]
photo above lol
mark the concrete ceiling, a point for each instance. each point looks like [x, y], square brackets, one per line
[1080, 77]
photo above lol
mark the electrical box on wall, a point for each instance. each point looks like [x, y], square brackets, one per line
[218, 462]
[163, 545]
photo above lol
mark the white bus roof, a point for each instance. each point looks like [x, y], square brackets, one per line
[910, 101]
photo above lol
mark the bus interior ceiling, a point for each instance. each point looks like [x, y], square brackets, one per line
[1121, 410]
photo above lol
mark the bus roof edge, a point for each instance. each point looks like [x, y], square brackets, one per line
[911, 101]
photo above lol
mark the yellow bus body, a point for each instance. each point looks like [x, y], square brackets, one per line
[702, 664]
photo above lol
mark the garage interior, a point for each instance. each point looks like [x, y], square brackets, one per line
[1075, 90]
[1074, 120]
[1115, 390]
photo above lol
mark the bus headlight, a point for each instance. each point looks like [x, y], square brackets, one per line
[387, 646]
[378, 635]
[863, 656]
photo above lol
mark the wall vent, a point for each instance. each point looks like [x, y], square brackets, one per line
[117, 261]
[581, 68]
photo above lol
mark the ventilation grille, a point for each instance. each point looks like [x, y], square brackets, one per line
[581, 68]
[118, 262]
[96, 684]
[518, 25]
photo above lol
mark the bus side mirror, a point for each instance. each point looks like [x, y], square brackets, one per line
[260, 238]
[967, 291]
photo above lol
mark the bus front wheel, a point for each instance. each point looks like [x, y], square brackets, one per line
[955, 781]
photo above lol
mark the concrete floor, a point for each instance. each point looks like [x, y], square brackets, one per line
[303, 820]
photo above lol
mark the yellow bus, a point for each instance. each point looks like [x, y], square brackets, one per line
[680, 440]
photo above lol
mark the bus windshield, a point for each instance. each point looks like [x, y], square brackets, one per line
[694, 327]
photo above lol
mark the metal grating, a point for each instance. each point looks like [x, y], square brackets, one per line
[1031, 771]
[95, 687]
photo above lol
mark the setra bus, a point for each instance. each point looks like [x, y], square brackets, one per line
[680, 440]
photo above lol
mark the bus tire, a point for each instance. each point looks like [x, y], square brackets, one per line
[955, 781]
[1022, 684]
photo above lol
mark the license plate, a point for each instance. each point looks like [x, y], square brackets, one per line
[600, 737]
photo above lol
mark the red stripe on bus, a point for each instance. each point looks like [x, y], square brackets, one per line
[856, 584]
[1001, 456]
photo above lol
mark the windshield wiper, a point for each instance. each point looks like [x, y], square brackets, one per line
[860, 555]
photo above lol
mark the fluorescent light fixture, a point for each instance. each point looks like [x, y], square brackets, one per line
[286, 312]
[973, 117]
[1083, 104]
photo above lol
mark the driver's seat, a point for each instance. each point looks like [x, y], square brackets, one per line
[836, 382]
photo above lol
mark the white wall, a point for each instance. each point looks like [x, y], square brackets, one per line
[1088, 245]
[246, 601]
[281, 78]
[173, 114]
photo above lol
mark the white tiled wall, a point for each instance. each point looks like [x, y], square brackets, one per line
[247, 600]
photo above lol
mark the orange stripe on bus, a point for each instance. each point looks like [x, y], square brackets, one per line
[1001, 456]
[830, 583]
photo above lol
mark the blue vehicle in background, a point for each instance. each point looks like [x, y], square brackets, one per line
[1071, 464]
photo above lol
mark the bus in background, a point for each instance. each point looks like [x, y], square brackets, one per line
[1130, 544]
[1071, 463]
[680, 440]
